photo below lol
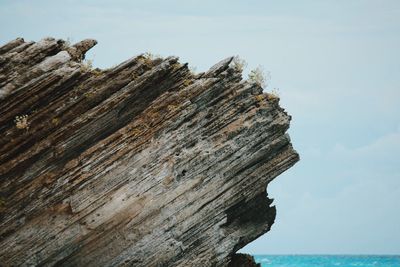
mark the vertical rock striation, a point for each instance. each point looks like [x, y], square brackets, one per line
[142, 164]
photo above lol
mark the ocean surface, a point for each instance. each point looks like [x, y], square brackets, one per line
[327, 260]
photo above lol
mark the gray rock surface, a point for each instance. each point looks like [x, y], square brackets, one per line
[142, 164]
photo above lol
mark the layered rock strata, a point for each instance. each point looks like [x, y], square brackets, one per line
[141, 164]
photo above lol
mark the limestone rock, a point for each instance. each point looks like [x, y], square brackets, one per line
[142, 164]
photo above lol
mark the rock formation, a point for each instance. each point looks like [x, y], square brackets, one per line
[141, 164]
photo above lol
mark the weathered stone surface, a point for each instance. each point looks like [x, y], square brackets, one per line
[142, 164]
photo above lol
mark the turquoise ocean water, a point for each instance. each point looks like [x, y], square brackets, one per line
[327, 260]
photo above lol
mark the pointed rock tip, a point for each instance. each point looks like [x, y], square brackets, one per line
[85, 45]
[219, 67]
[12, 44]
[78, 50]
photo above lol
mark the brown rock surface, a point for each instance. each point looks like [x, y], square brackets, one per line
[142, 164]
[243, 260]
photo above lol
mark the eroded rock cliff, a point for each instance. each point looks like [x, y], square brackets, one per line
[142, 164]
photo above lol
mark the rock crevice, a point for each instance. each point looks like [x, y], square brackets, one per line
[141, 164]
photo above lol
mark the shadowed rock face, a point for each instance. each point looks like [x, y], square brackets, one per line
[142, 164]
[243, 260]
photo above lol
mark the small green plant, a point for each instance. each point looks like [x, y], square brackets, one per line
[88, 94]
[176, 65]
[193, 69]
[55, 121]
[239, 64]
[172, 107]
[21, 122]
[68, 41]
[87, 65]
[149, 57]
[187, 82]
[274, 94]
[260, 97]
[258, 77]
[97, 71]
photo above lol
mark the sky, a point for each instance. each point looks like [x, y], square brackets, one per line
[336, 65]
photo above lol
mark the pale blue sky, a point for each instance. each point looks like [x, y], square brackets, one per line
[337, 67]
